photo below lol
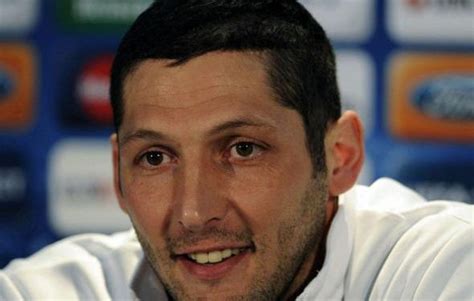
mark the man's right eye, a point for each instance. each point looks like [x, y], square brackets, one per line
[152, 159]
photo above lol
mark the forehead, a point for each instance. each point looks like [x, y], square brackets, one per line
[188, 101]
[212, 75]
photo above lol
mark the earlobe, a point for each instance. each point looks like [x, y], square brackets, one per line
[116, 171]
[344, 145]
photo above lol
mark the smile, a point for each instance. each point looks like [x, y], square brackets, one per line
[214, 256]
[215, 263]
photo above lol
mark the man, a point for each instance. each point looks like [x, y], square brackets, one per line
[236, 167]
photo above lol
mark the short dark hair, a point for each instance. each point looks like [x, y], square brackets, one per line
[299, 59]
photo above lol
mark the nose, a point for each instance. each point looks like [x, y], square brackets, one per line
[199, 196]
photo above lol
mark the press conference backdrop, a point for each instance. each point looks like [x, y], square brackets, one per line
[407, 66]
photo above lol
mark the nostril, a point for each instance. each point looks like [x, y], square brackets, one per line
[190, 227]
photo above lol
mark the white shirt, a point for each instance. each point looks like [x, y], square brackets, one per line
[385, 243]
[388, 243]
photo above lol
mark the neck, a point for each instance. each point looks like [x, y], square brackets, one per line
[309, 272]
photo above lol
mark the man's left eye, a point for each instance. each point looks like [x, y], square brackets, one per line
[245, 150]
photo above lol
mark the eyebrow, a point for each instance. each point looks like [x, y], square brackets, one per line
[142, 134]
[147, 134]
[239, 123]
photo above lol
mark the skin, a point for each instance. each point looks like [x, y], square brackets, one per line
[202, 194]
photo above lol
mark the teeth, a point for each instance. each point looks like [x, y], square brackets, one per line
[214, 256]
[226, 253]
[202, 258]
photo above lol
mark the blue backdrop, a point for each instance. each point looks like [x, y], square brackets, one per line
[412, 82]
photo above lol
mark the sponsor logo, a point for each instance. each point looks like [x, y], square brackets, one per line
[344, 20]
[431, 96]
[431, 21]
[448, 97]
[18, 16]
[86, 190]
[17, 68]
[92, 90]
[80, 188]
[100, 15]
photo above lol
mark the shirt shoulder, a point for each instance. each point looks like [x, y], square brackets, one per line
[82, 267]
[407, 248]
[431, 260]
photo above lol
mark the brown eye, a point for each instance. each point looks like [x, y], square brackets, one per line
[244, 149]
[154, 159]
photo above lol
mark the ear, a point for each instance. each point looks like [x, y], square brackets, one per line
[116, 167]
[344, 145]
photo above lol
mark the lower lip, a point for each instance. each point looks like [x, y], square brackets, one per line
[212, 271]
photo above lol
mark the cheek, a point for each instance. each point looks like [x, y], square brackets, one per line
[147, 200]
[269, 196]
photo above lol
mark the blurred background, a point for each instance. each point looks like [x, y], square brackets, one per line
[407, 66]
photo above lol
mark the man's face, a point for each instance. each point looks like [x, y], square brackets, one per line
[217, 179]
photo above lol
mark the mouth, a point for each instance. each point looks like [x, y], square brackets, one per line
[216, 263]
[214, 256]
